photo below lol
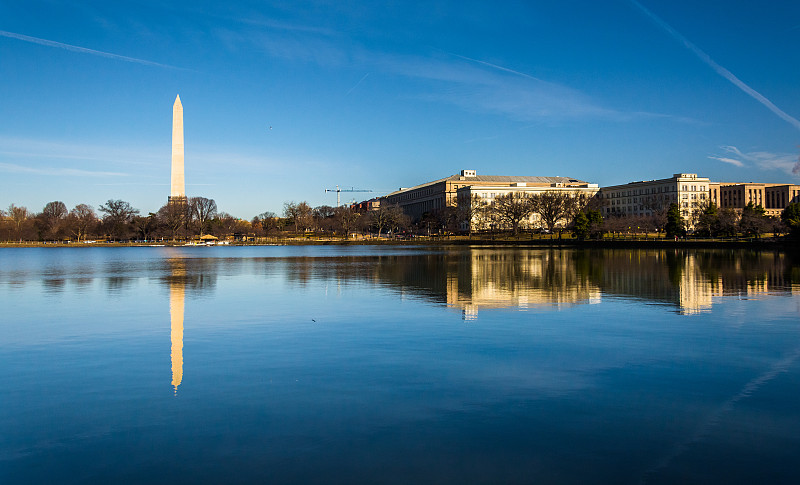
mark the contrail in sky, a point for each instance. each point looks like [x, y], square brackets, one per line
[495, 66]
[83, 50]
[720, 70]
[357, 84]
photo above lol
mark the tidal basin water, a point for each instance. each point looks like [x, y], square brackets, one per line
[398, 365]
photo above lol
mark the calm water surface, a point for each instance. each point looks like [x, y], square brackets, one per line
[398, 365]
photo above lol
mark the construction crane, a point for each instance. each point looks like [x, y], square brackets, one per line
[338, 191]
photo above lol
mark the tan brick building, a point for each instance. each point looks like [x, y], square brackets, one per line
[772, 197]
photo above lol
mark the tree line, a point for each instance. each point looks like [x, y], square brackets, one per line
[549, 212]
[116, 220]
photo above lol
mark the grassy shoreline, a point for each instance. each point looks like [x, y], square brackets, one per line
[633, 243]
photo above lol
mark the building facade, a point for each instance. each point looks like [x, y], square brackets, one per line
[486, 195]
[772, 197]
[425, 198]
[646, 198]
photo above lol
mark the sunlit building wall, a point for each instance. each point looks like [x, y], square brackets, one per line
[645, 198]
[487, 195]
[431, 196]
[772, 197]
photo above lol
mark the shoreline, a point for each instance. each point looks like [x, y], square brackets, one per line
[769, 244]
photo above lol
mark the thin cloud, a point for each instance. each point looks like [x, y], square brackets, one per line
[14, 168]
[44, 150]
[719, 69]
[732, 161]
[484, 87]
[785, 162]
[83, 50]
[467, 83]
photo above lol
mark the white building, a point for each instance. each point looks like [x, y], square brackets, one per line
[648, 197]
[486, 195]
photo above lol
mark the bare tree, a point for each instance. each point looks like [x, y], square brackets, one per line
[224, 225]
[19, 216]
[512, 209]
[173, 215]
[398, 220]
[300, 214]
[267, 222]
[553, 206]
[117, 218]
[346, 219]
[51, 219]
[386, 217]
[81, 220]
[203, 210]
[145, 225]
[323, 217]
[471, 212]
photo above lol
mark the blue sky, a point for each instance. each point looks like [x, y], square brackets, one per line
[285, 99]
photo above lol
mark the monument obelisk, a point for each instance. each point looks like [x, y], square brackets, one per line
[177, 193]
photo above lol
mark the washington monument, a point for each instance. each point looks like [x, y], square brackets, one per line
[178, 187]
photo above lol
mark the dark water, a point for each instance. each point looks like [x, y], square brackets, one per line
[398, 365]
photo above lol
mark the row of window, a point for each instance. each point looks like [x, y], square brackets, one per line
[656, 190]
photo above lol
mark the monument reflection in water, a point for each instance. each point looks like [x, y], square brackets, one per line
[375, 365]
[177, 295]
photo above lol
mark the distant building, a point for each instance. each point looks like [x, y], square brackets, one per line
[645, 198]
[428, 197]
[486, 195]
[772, 197]
[367, 205]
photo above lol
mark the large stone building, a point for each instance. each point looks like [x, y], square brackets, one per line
[487, 194]
[644, 198]
[428, 197]
[772, 197]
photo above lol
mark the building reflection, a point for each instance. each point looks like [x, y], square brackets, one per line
[475, 279]
[184, 277]
[691, 279]
[518, 279]
[177, 296]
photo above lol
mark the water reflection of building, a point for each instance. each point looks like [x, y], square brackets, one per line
[184, 276]
[475, 279]
[177, 289]
[518, 279]
[691, 279]
[469, 280]
[177, 296]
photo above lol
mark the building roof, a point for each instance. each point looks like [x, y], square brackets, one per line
[533, 179]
